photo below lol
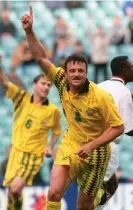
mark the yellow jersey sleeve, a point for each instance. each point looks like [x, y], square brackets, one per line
[57, 122]
[109, 111]
[57, 76]
[15, 93]
[52, 72]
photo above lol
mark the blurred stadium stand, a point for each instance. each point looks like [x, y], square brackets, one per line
[79, 21]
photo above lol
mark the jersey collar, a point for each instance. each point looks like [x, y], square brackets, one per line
[119, 79]
[85, 88]
[46, 101]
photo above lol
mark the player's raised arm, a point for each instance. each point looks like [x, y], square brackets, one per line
[3, 78]
[37, 49]
[12, 91]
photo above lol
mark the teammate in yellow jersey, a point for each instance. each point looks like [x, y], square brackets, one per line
[34, 116]
[93, 121]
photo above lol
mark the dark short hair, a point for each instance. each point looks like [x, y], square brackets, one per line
[38, 77]
[76, 58]
[118, 64]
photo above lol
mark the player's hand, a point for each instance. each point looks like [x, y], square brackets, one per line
[27, 20]
[84, 150]
[48, 151]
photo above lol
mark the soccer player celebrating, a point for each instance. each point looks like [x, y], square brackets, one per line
[34, 116]
[93, 121]
[122, 73]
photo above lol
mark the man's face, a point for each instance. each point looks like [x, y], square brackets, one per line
[76, 74]
[42, 87]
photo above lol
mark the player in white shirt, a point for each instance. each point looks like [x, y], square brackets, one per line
[122, 73]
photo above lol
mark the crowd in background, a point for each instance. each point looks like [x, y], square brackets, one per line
[64, 42]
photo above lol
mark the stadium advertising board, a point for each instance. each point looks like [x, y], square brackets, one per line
[35, 198]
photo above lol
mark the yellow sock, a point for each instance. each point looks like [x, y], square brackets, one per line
[98, 197]
[53, 205]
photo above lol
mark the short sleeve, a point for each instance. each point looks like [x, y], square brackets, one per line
[53, 72]
[109, 110]
[126, 112]
[57, 122]
[15, 93]
[57, 76]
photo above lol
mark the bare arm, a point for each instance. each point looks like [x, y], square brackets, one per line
[53, 141]
[3, 78]
[50, 146]
[109, 135]
[56, 131]
[37, 49]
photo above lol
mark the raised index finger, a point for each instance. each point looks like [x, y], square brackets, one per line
[31, 12]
